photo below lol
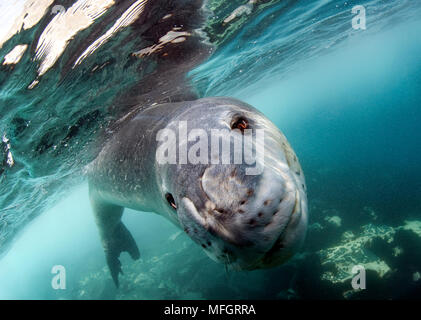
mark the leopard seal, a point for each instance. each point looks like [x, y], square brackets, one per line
[121, 70]
[246, 221]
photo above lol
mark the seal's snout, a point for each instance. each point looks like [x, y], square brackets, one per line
[251, 221]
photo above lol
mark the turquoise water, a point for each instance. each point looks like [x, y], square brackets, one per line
[348, 101]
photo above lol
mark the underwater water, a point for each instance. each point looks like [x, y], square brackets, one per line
[348, 101]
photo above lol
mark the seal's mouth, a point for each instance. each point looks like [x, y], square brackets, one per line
[237, 243]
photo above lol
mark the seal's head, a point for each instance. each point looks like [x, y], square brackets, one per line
[231, 180]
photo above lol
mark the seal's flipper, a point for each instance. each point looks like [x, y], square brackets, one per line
[120, 240]
[114, 235]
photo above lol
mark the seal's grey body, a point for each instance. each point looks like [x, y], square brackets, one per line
[245, 221]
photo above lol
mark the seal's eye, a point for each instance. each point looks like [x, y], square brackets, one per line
[171, 200]
[240, 123]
